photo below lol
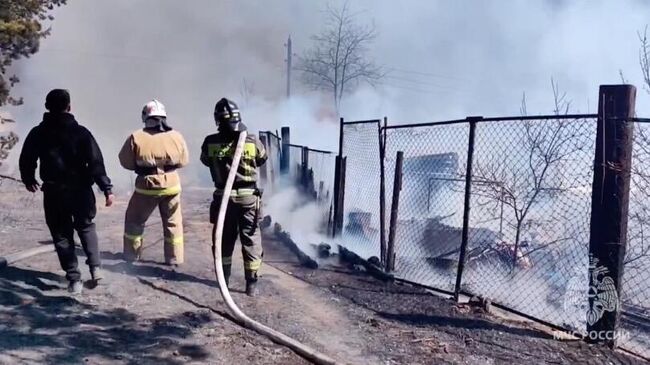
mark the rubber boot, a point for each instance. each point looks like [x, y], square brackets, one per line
[172, 262]
[251, 288]
[75, 287]
[251, 282]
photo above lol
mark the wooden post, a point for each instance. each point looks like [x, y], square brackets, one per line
[264, 176]
[321, 187]
[467, 204]
[339, 184]
[330, 220]
[285, 161]
[394, 211]
[311, 184]
[609, 210]
[304, 169]
[382, 194]
[337, 189]
[339, 196]
[277, 154]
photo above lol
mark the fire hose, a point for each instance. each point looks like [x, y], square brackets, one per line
[217, 237]
[10, 259]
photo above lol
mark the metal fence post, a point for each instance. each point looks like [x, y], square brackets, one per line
[609, 209]
[466, 208]
[304, 169]
[382, 193]
[394, 211]
[339, 184]
[285, 160]
[341, 122]
[339, 196]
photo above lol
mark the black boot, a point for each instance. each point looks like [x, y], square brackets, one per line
[75, 287]
[251, 288]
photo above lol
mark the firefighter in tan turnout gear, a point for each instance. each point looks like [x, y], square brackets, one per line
[155, 153]
[243, 213]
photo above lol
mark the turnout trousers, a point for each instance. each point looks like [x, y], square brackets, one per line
[67, 210]
[242, 221]
[138, 211]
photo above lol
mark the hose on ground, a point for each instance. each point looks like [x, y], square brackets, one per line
[11, 258]
[217, 236]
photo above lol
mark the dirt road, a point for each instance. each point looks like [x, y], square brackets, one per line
[150, 314]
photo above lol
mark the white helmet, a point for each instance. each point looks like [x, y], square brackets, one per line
[153, 108]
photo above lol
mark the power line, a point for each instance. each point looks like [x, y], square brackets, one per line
[289, 55]
[401, 87]
[426, 74]
[420, 83]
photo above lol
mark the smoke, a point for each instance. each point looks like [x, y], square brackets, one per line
[445, 60]
[303, 219]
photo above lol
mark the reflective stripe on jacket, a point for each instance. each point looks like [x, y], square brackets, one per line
[217, 152]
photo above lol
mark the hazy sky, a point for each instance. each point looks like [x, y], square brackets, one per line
[447, 59]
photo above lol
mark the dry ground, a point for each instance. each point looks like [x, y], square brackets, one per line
[150, 314]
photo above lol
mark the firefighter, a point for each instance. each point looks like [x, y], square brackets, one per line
[155, 153]
[70, 162]
[243, 213]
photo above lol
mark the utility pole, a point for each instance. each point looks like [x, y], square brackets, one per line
[289, 54]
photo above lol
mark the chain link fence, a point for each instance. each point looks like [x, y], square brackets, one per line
[430, 216]
[295, 164]
[361, 213]
[528, 214]
[271, 169]
[529, 221]
[635, 296]
[310, 171]
[322, 165]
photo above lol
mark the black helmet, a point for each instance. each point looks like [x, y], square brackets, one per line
[226, 114]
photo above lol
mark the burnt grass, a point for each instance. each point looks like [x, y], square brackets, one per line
[60, 329]
[412, 325]
[150, 314]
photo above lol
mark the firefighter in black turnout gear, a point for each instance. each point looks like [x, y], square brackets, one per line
[243, 214]
[70, 162]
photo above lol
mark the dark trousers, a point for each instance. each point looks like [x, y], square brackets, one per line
[242, 220]
[68, 210]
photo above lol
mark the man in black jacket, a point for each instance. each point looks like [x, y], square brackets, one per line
[70, 162]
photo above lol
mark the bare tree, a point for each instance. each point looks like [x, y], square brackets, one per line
[644, 57]
[520, 181]
[338, 60]
[638, 248]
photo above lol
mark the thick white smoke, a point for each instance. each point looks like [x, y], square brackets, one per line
[445, 60]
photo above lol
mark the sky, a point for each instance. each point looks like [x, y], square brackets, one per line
[445, 60]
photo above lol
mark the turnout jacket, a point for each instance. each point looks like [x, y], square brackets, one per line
[217, 153]
[68, 153]
[155, 155]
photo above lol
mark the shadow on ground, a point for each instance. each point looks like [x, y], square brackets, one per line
[151, 269]
[38, 317]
